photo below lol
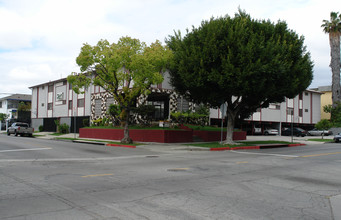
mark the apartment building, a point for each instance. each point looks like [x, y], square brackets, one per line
[56, 100]
[303, 111]
[9, 104]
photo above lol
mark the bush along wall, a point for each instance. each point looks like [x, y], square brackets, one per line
[189, 118]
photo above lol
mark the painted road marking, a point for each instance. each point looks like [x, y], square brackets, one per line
[323, 154]
[97, 175]
[264, 154]
[177, 169]
[19, 150]
[241, 162]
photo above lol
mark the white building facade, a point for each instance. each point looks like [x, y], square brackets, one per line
[303, 111]
[56, 100]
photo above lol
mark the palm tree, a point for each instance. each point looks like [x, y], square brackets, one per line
[333, 28]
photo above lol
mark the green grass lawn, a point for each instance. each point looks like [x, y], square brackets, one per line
[240, 144]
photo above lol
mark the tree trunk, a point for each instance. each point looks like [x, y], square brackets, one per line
[230, 126]
[334, 41]
[126, 139]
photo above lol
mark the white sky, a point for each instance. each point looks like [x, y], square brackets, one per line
[40, 39]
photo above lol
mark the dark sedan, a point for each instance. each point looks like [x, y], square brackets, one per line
[299, 132]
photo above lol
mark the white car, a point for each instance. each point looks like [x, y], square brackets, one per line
[270, 131]
[316, 132]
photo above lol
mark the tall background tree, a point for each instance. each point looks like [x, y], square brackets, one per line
[240, 61]
[333, 28]
[125, 69]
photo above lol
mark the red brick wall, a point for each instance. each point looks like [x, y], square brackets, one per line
[161, 136]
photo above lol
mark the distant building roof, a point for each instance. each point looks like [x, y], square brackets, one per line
[20, 97]
[325, 88]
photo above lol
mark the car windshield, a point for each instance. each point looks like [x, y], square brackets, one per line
[22, 125]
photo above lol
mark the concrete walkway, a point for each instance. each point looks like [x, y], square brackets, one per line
[180, 146]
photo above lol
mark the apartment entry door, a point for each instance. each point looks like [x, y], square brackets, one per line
[161, 103]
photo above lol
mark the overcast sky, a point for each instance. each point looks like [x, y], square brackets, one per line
[40, 39]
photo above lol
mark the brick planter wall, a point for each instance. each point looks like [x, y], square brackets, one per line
[161, 136]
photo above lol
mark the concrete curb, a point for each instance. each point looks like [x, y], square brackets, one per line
[256, 147]
[87, 142]
[120, 145]
[335, 202]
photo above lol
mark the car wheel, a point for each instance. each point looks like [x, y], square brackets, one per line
[336, 140]
[8, 134]
[266, 133]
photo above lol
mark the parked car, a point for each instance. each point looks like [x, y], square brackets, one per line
[296, 132]
[337, 138]
[316, 132]
[257, 129]
[270, 131]
[20, 128]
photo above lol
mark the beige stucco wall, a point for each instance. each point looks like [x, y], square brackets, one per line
[326, 99]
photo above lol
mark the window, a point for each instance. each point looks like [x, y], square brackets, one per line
[80, 103]
[183, 105]
[98, 109]
[276, 106]
[42, 104]
[306, 94]
[64, 83]
[70, 86]
[110, 101]
[306, 110]
[49, 106]
[300, 112]
[0, 104]
[290, 111]
[50, 89]
[43, 87]
[70, 104]
[300, 96]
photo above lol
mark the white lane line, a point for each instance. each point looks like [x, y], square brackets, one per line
[73, 159]
[18, 150]
[264, 154]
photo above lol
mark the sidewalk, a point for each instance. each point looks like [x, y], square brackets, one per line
[175, 146]
[180, 146]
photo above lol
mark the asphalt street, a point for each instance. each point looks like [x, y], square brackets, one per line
[48, 179]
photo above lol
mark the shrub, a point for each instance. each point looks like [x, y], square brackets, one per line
[41, 128]
[64, 128]
[85, 122]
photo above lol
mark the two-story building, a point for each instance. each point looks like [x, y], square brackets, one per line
[56, 100]
[303, 111]
[9, 104]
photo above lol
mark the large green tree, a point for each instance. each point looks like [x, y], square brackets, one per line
[125, 69]
[240, 61]
[333, 28]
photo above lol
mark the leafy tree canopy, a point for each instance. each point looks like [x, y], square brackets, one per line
[244, 62]
[125, 69]
[3, 116]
